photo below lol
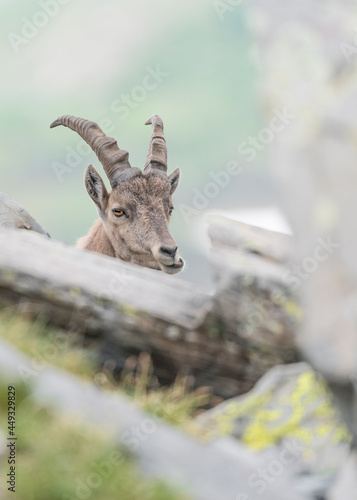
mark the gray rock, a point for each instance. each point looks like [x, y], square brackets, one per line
[253, 303]
[289, 417]
[345, 485]
[14, 216]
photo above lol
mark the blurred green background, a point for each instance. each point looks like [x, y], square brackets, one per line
[83, 58]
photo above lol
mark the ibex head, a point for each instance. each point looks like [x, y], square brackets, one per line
[135, 214]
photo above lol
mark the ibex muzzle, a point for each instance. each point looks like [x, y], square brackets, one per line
[135, 214]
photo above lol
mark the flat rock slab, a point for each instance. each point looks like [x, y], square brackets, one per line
[269, 245]
[134, 308]
[42, 266]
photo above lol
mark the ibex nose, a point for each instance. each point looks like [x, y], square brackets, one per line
[170, 251]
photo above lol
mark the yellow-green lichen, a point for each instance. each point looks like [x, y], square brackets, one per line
[308, 392]
[75, 291]
[8, 275]
[305, 412]
[128, 310]
[292, 309]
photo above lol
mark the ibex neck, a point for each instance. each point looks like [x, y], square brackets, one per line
[97, 240]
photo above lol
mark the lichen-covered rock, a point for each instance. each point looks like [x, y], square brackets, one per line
[290, 409]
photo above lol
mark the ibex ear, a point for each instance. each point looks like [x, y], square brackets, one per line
[96, 187]
[174, 179]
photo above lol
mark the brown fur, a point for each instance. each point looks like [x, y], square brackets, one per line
[96, 240]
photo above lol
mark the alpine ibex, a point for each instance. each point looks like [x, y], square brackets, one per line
[135, 214]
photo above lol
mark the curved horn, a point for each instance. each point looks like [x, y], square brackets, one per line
[113, 159]
[157, 155]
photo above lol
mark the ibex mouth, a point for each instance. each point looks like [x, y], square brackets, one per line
[174, 268]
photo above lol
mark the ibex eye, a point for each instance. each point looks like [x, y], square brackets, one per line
[118, 213]
[171, 210]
